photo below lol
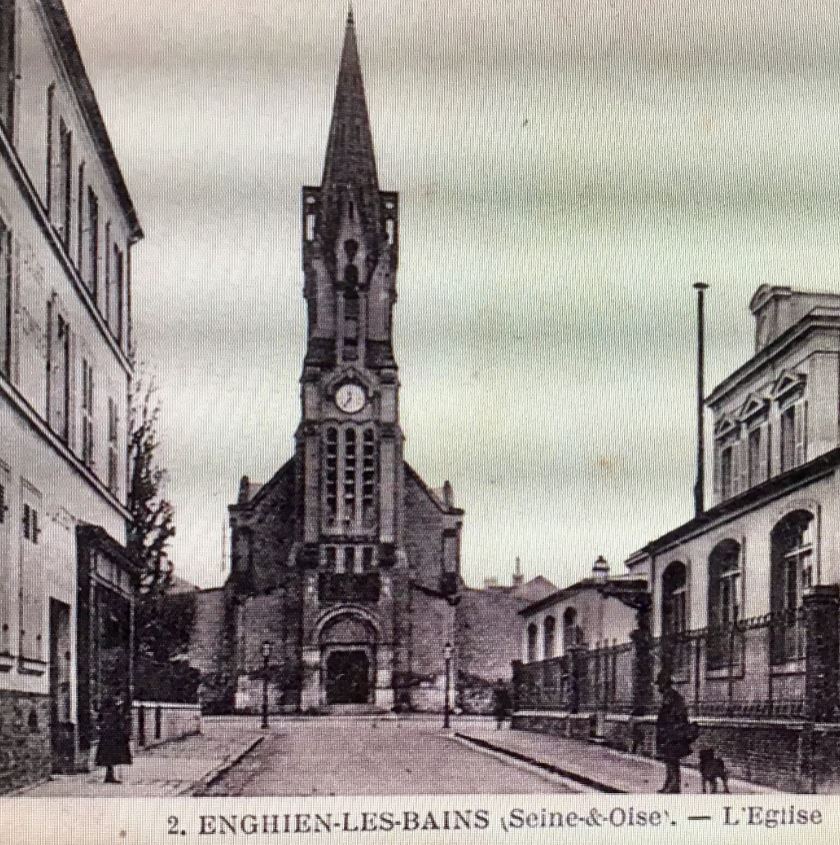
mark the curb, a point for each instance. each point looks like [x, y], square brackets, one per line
[584, 780]
[198, 788]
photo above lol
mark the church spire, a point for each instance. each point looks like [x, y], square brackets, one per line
[350, 159]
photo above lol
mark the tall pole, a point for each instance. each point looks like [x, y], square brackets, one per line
[266, 652]
[446, 669]
[700, 483]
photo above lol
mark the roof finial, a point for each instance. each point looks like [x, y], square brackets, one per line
[349, 14]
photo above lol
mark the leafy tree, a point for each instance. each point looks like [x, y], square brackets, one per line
[152, 525]
[152, 515]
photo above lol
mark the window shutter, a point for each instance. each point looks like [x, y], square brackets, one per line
[716, 473]
[72, 403]
[764, 453]
[53, 397]
[48, 193]
[744, 461]
[800, 428]
[91, 406]
[14, 357]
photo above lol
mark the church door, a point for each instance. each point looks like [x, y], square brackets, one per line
[348, 677]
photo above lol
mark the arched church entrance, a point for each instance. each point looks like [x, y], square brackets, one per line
[348, 677]
[348, 660]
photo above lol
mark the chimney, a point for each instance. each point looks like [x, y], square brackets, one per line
[518, 578]
[448, 498]
[600, 569]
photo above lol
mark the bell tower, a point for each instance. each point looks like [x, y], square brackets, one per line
[349, 442]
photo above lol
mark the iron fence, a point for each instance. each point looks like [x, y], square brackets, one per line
[754, 668]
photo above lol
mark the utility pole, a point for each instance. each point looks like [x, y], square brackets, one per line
[700, 483]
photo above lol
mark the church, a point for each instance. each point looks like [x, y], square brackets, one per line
[345, 565]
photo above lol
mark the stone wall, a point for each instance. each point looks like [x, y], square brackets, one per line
[489, 632]
[791, 756]
[432, 626]
[154, 722]
[25, 755]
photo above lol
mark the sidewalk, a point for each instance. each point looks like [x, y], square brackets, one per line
[174, 768]
[595, 766]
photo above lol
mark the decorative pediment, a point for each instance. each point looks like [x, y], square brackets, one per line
[753, 406]
[349, 374]
[725, 426]
[787, 383]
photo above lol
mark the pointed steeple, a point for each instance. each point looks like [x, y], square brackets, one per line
[349, 158]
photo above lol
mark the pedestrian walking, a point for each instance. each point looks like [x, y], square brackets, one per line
[113, 749]
[673, 731]
[501, 703]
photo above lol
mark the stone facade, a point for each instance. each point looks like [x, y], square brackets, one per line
[25, 754]
[67, 226]
[345, 563]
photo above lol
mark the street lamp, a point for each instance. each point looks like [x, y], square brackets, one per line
[447, 660]
[266, 653]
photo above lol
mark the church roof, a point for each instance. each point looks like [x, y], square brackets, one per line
[349, 164]
[350, 155]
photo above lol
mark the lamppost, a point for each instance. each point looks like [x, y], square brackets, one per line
[447, 662]
[266, 653]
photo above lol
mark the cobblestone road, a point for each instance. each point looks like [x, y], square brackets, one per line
[335, 756]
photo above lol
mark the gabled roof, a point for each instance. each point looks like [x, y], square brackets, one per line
[439, 503]
[566, 592]
[251, 492]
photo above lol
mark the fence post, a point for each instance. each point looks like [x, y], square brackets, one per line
[577, 655]
[642, 660]
[822, 649]
[518, 682]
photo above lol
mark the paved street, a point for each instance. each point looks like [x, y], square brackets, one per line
[173, 768]
[346, 756]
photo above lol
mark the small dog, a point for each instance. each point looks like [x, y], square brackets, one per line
[712, 769]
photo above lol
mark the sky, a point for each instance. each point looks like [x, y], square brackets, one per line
[566, 171]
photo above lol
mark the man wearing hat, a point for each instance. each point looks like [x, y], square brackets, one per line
[672, 727]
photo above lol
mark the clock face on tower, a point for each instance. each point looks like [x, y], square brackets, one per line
[350, 398]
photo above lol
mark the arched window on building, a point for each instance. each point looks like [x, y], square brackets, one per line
[791, 559]
[331, 474]
[368, 478]
[549, 631]
[724, 603]
[674, 617]
[349, 467]
[571, 635]
[349, 481]
[352, 306]
[532, 643]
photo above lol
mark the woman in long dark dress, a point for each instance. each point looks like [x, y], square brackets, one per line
[501, 703]
[113, 749]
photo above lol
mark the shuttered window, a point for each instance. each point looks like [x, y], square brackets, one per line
[5, 299]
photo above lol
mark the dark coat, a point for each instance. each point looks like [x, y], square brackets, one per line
[672, 727]
[501, 702]
[113, 748]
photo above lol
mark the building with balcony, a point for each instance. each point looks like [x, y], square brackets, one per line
[67, 226]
